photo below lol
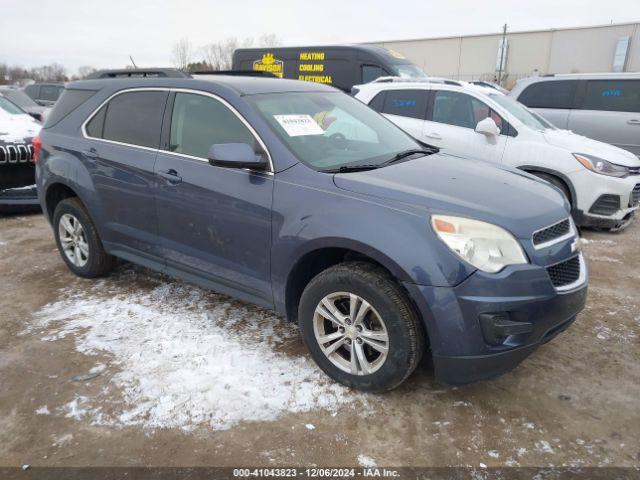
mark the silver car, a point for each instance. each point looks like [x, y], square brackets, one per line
[602, 106]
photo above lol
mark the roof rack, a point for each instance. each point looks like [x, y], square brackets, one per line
[138, 72]
[237, 73]
[445, 81]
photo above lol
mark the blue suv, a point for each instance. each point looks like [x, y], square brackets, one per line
[297, 197]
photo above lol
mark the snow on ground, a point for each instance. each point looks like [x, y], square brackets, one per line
[185, 357]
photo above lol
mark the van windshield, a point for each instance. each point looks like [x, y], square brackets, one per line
[408, 70]
[329, 130]
[522, 113]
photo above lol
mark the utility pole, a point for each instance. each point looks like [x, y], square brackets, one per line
[134, 63]
[503, 45]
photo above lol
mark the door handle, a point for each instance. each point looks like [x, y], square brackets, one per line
[92, 153]
[171, 176]
[434, 135]
[633, 121]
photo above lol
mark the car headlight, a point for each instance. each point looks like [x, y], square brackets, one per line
[485, 246]
[598, 165]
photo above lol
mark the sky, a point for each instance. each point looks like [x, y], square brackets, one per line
[103, 33]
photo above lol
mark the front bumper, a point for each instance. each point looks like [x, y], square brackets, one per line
[524, 293]
[605, 202]
[18, 200]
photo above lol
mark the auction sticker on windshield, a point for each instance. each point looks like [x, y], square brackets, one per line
[298, 125]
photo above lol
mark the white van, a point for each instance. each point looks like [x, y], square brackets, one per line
[602, 182]
[602, 106]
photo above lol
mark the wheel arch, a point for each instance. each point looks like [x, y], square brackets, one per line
[533, 169]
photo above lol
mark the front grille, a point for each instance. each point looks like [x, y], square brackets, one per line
[551, 233]
[565, 273]
[15, 153]
[635, 196]
[606, 205]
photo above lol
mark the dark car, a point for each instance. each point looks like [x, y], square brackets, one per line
[297, 197]
[24, 101]
[341, 66]
[45, 94]
[17, 172]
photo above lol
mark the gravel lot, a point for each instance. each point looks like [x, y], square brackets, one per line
[140, 369]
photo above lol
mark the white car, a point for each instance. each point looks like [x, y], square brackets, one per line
[602, 182]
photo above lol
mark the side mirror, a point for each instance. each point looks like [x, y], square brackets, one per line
[236, 155]
[487, 127]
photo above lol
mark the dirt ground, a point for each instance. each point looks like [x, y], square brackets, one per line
[574, 402]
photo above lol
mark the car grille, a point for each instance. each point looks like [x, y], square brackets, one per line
[565, 273]
[635, 196]
[606, 205]
[551, 233]
[18, 153]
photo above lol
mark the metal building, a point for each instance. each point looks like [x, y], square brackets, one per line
[602, 48]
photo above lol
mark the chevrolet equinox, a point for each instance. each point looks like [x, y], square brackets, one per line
[299, 198]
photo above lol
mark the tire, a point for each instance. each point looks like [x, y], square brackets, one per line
[83, 252]
[390, 314]
[556, 182]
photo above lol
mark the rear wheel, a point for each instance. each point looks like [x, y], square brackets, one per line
[78, 240]
[360, 327]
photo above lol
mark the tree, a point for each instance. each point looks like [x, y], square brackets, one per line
[219, 55]
[182, 53]
[85, 70]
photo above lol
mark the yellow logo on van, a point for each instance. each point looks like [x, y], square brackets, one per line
[393, 53]
[268, 63]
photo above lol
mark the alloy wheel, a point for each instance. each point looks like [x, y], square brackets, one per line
[350, 333]
[73, 240]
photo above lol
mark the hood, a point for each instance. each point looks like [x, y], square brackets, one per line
[447, 184]
[578, 144]
[17, 128]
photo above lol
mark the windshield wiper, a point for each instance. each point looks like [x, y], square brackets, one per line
[408, 153]
[353, 168]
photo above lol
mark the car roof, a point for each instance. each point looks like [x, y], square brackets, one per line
[242, 85]
[439, 84]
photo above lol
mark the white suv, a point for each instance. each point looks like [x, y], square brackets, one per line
[602, 182]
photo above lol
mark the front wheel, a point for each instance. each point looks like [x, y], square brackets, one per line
[360, 327]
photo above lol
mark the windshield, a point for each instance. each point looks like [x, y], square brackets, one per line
[408, 70]
[9, 107]
[522, 113]
[331, 130]
[19, 98]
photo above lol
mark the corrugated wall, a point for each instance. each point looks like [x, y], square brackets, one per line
[575, 50]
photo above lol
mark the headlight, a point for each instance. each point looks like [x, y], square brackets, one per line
[601, 166]
[485, 246]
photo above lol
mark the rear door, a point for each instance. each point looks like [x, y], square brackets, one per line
[451, 124]
[609, 111]
[124, 135]
[553, 99]
[214, 222]
[406, 108]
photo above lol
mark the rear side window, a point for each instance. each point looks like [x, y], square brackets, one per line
[406, 103]
[133, 117]
[612, 95]
[199, 121]
[69, 101]
[378, 102]
[50, 92]
[550, 94]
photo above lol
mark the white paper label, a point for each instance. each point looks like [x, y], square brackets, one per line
[297, 125]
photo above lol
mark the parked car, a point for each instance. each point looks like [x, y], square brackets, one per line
[17, 172]
[45, 94]
[601, 182]
[602, 106]
[297, 197]
[341, 66]
[24, 101]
